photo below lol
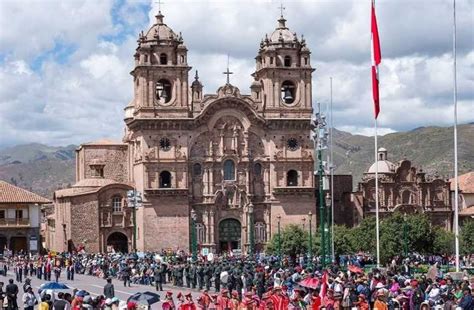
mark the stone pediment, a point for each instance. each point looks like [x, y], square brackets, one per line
[228, 90]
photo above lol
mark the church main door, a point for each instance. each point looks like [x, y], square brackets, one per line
[230, 232]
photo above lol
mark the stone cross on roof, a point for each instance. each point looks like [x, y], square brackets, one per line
[281, 7]
[227, 72]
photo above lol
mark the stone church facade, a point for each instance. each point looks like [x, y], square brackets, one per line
[403, 188]
[229, 158]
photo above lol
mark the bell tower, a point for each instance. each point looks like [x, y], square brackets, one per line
[160, 73]
[283, 69]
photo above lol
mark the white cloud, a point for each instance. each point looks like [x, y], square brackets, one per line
[81, 98]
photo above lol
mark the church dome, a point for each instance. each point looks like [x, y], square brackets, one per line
[160, 31]
[384, 166]
[282, 33]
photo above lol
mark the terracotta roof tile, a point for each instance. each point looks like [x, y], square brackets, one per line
[466, 182]
[10, 193]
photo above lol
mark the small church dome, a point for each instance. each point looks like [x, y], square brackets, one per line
[160, 31]
[282, 33]
[383, 165]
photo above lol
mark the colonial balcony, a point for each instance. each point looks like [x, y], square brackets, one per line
[14, 222]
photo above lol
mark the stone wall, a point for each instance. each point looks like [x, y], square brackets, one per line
[114, 157]
[84, 223]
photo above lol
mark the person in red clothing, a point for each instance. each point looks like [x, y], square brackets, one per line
[188, 303]
[214, 303]
[266, 302]
[315, 300]
[279, 299]
[362, 303]
[234, 301]
[223, 301]
[168, 303]
[205, 299]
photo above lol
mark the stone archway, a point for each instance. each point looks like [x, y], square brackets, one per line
[18, 244]
[118, 241]
[230, 235]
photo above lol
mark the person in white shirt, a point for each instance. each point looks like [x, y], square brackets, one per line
[29, 299]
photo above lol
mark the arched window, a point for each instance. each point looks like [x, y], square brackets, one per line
[288, 91]
[182, 59]
[260, 232]
[200, 233]
[163, 91]
[165, 179]
[287, 61]
[257, 169]
[229, 170]
[117, 204]
[163, 59]
[292, 178]
[197, 169]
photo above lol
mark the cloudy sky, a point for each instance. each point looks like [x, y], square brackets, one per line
[64, 65]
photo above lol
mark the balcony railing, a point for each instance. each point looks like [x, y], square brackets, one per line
[14, 222]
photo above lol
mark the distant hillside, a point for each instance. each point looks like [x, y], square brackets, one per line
[43, 169]
[37, 167]
[428, 147]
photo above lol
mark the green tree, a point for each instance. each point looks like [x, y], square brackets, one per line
[443, 242]
[343, 240]
[294, 241]
[467, 236]
[364, 236]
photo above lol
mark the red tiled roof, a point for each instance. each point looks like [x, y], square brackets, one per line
[10, 193]
[467, 211]
[465, 182]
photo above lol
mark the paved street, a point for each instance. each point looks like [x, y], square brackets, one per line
[95, 287]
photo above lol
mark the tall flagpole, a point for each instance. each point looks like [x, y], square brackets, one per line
[456, 194]
[331, 167]
[377, 229]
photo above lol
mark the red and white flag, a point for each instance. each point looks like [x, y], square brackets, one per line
[376, 59]
[324, 285]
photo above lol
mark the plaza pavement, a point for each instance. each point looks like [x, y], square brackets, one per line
[95, 286]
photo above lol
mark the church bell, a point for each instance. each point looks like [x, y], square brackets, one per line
[288, 96]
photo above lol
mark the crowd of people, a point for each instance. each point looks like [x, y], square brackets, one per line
[260, 282]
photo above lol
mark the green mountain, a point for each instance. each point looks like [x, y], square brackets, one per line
[43, 169]
[430, 148]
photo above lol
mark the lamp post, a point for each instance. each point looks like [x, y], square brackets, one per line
[193, 235]
[328, 220]
[405, 235]
[310, 247]
[134, 200]
[251, 232]
[320, 137]
[279, 239]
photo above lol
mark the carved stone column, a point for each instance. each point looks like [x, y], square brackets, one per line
[266, 214]
[212, 224]
[205, 221]
[246, 144]
[205, 181]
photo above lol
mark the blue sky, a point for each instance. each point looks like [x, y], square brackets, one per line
[64, 65]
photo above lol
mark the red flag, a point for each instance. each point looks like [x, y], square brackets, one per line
[324, 285]
[376, 59]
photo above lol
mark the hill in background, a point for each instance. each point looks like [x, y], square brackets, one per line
[43, 169]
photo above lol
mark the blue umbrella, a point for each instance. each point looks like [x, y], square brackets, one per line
[54, 286]
[146, 298]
